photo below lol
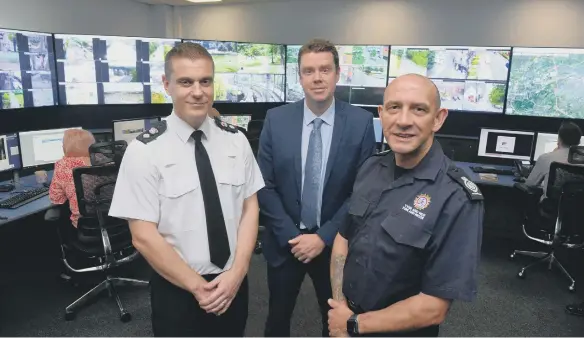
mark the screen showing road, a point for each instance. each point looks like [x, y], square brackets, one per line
[111, 69]
[247, 72]
[546, 82]
[363, 74]
[468, 78]
[27, 69]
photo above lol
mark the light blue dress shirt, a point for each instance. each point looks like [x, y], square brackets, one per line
[326, 132]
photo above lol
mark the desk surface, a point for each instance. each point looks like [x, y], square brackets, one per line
[39, 205]
[502, 180]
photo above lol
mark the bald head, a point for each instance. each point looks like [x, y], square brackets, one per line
[415, 80]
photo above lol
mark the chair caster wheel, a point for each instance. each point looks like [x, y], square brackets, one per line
[572, 288]
[512, 256]
[69, 316]
[521, 274]
[125, 317]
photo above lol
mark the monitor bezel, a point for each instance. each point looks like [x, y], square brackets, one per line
[530, 156]
[44, 165]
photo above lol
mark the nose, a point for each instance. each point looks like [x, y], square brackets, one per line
[196, 90]
[404, 119]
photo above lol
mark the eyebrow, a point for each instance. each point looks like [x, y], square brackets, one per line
[206, 78]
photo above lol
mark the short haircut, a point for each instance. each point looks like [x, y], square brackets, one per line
[76, 142]
[569, 134]
[190, 50]
[319, 46]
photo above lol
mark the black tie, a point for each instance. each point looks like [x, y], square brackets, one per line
[216, 231]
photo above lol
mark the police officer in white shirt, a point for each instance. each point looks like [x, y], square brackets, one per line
[188, 188]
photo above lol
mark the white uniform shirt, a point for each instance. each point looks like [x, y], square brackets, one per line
[158, 182]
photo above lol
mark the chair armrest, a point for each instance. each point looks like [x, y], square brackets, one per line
[54, 213]
[528, 189]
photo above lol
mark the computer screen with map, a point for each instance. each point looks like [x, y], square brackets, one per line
[247, 72]
[546, 82]
[41, 146]
[27, 69]
[507, 144]
[363, 74]
[468, 78]
[111, 69]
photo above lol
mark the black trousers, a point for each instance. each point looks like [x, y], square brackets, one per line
[284, 283]
[176, 313]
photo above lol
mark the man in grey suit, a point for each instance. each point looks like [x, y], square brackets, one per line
[309, 154]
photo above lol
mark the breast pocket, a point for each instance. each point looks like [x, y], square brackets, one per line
[230, 179]
[178, 194]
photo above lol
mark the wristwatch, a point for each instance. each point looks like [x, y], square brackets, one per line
[353, 326]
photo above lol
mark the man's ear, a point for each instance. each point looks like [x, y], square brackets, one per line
[439, 119]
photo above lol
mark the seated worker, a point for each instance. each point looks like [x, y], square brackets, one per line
[568, 135]
[76, 144]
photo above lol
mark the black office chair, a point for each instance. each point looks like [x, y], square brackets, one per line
[558, 223]
[576, 155]
[254, 130]
[107, 152]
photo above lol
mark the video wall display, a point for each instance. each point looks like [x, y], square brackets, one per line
[363, 75]
[546, 82]
[247, 72]
[111, 69]
[468, 78]
[27, 69]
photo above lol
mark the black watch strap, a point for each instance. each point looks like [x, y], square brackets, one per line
[353, 326]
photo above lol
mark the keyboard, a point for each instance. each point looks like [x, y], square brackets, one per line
[491, 170]
[23, 198]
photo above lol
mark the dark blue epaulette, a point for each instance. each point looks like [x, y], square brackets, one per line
[225, 126]
[468, 186]
[151, 134]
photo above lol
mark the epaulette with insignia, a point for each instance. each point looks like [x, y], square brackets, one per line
[383, 153]
[468, 186]
[151, 134]
[225, 126]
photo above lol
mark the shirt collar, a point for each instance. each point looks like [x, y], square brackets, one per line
[428, 168]
[327, 117]
[184, 130]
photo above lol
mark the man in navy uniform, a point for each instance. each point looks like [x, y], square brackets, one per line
[412, 236]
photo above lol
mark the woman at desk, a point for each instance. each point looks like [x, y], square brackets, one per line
[76, 144]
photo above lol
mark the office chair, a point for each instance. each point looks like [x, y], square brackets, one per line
[107, 152]
[557, 225]
[576, 155]
[254, 130]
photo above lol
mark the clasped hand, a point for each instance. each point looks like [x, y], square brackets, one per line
[306, 247]
[216, 296]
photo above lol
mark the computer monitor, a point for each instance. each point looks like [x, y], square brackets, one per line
[506, 144]
[377, 129]
[9, 152]
[127, 130]
[41, 146]
[546, 143]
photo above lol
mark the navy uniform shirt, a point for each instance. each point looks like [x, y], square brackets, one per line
[418, 233]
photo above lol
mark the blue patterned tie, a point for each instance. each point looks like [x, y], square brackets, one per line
[312, 171]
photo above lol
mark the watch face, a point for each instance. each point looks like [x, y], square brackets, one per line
[352, 325]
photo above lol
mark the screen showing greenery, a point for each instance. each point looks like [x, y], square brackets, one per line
[247, 72]
[546, 82]
[468, 78]
[111, 69]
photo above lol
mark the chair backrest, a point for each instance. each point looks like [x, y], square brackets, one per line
[576, 155]
[94, 187]
[107, 152]
[566, 187]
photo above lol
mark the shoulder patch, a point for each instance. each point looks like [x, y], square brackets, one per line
[383, 153]
[468, 186]
[225, 126]
[151, 134]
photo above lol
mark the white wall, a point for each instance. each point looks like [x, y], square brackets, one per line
[106, 17]
[420, 22]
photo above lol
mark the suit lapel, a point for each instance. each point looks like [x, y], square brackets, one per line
[296, 128]
[338, 131]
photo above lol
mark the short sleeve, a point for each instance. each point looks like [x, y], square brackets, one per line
[451, 268]
[254, 180]
[136, 191]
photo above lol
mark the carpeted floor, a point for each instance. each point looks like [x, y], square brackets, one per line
[32, 299]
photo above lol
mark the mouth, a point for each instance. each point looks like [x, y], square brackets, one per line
[404, 136]
[319, 90]
[196, 104]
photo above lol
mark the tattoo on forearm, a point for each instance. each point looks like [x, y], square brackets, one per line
[338, 263]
